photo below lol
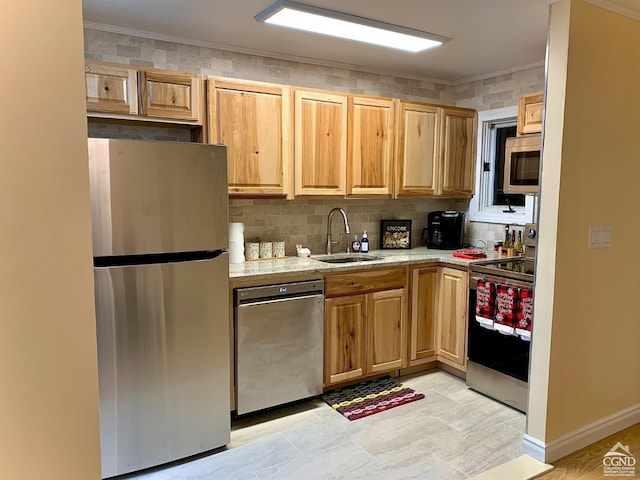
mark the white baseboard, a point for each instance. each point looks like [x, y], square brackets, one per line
[533, 447]
[580, 438]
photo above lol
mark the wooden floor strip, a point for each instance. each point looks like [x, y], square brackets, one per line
[586, 464]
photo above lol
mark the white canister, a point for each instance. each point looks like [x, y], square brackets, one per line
[278, 249]
[266, 250]
[236, 242]
[253, 250]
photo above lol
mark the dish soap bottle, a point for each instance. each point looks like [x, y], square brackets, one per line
[364, 243]
[355, 245]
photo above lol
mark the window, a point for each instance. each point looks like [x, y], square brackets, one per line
[491, 204]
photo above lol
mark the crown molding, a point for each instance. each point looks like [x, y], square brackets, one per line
[518, 68]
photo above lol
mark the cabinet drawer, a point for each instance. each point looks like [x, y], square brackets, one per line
[365, 281]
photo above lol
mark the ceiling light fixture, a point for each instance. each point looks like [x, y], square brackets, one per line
[344, 25]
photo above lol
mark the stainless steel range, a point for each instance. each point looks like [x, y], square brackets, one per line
[498, 362]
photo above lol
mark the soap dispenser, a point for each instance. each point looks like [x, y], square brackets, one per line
[364, 243]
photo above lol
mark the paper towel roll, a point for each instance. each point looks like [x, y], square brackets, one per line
[236, 242]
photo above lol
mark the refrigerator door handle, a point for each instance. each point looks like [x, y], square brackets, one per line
[155, 258]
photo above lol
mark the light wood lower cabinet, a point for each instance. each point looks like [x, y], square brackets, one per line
[439, 311]
[345, 338]
[365, 332]
[452, 315]
[386, 344]
[424, 296]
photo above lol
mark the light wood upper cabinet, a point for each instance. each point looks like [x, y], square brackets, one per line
[254, 120]
[345, 338]
[424, 296]
[452, 315]
[320, 132]
[458, 151]
[530, 108]
[170, 95]
[386, 345]
[417, 146]
[370, 143]
[143, 94]
[111, 89]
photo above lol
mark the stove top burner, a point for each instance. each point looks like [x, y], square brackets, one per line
[516, 268]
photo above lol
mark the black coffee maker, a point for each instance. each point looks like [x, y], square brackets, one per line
[444, 230]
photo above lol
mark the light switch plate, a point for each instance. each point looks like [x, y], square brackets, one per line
[600, 236]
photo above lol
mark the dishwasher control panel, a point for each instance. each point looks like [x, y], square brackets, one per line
[309, 287]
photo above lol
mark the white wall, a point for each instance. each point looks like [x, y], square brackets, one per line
[49, 401]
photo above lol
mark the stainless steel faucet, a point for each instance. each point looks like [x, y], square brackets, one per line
[346, 227]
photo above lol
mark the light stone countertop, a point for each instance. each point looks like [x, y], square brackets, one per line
[292, 266]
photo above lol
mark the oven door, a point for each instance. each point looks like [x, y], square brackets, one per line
[498, 364]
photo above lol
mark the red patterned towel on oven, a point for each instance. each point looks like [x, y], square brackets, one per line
[485, 303]
[525, 313]
[506, 309]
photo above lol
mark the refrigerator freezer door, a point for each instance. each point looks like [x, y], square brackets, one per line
[157, 197]
[163, 361]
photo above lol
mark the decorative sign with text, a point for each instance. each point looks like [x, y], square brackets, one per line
[395, 234]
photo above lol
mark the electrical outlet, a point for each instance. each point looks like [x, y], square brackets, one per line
[600, 236]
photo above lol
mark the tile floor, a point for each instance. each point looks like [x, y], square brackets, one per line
[454, 433]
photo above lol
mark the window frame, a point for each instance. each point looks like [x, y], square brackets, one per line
[480, 208]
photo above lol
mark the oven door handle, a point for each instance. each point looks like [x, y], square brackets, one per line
[473, 281]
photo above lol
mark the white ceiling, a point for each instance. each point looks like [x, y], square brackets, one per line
[489, 36]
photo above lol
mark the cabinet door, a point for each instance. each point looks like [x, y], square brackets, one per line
[111, 89]
[253, 121]
[170, 95]
[345, 338]
[454, 291]
[424, 300]
[370, 162]
[386, 342]
[417, 145]
[458, 153]
[320, 143]
[530, 109]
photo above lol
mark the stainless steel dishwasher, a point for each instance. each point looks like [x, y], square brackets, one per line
[279, 344]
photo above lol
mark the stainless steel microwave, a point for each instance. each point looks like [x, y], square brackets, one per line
[522, 164]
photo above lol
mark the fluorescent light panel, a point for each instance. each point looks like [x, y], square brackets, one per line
[343, 25]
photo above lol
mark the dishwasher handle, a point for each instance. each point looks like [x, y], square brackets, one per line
[281, 290]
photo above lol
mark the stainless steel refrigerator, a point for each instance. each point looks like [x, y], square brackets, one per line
[161, 270]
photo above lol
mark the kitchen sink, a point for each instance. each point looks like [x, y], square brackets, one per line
[347, 258]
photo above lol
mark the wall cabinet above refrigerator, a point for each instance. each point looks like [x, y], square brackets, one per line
[120, 92]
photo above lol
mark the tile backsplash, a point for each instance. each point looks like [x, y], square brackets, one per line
[305, 220]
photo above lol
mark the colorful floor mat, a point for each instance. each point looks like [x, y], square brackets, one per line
[370, 397]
